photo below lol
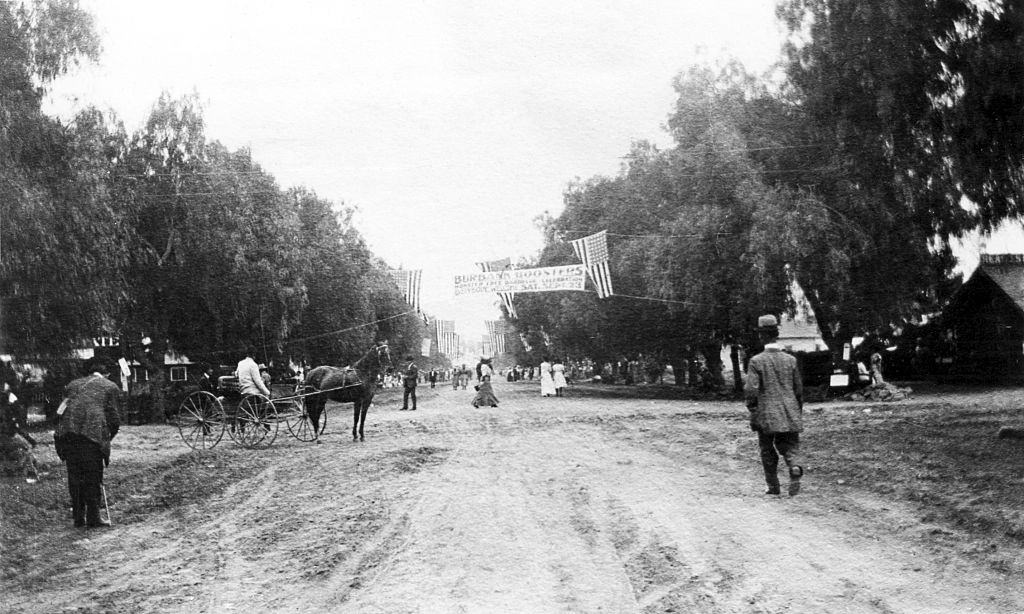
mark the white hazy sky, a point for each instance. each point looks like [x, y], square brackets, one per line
[450, 125]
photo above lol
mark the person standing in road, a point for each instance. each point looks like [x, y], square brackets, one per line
[558, 376]
[433, 377]
[88, 420]
[410, 377]
[774, 396]
[547, 384]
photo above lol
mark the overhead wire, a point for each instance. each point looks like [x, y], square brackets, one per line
[309, 338]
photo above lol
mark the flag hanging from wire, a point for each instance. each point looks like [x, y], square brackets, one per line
[497, 329]
[497, 266]
[409, 283]
[446, 338]
[593, 253]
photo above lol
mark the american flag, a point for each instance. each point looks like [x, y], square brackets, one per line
[409, 283]
[497, 329]
[485, 346]
[593, 253]
[504, 264]
[447, 342]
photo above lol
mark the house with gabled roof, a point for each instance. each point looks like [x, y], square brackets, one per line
[981, 329]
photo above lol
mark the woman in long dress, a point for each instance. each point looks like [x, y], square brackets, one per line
[485, 394]
[558, 373]
[547, 384]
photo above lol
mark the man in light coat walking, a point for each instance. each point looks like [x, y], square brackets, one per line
[774, 396]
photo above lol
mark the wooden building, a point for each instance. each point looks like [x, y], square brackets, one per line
[981, 329]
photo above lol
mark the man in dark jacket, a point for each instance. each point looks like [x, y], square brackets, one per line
[774, 396]
[206, 381]
[89, 418]
[410, 377]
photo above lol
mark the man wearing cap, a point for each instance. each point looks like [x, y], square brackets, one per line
[88, 419]
[774, 396]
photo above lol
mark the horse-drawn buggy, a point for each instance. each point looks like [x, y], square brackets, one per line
[251, 420]
[254, 420]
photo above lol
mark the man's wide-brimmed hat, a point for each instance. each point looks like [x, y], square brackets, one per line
[767, 323]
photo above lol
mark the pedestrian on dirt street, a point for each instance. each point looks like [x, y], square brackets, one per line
[87, 421]
[410, 377]
[433, 377]
[558, 376]
[547, 382]
[485, 394]
[774, 396]
[250, 380]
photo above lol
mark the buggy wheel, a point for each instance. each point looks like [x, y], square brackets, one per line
[255, 422]
[200, 420]
[299, 422]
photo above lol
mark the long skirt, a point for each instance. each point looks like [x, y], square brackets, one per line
[559, 380]
[485, 397]
[547, 385]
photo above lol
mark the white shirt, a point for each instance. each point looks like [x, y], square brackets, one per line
[249, 379]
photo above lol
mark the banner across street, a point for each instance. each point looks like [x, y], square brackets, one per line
[543, 279]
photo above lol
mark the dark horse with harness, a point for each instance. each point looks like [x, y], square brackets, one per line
[356, 384]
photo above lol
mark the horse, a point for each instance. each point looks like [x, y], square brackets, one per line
[356, 384]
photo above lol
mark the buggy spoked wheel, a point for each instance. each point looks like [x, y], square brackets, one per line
[299, 422]
[200, 420]
[255, 423]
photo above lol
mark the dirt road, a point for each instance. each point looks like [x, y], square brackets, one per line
[541, 505]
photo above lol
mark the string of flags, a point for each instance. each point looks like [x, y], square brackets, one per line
[593, 253]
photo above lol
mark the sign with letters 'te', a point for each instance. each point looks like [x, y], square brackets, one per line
[544, 279]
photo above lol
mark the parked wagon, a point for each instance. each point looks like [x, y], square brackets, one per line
[252, 421]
